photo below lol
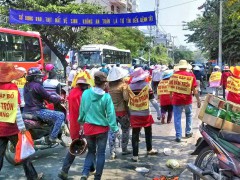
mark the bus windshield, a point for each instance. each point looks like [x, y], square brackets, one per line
[89, 57]
[16, 48]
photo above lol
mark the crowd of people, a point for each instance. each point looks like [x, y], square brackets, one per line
[102, 99]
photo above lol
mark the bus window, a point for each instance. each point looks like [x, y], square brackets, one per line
[89, 57]
[15, 48]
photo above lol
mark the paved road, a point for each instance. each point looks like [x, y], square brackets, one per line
[49, 161]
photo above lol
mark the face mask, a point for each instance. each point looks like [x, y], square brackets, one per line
[38, 79]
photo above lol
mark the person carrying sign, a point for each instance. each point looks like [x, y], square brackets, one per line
[119, 94]
[226, 73]
[11, 121]
[164, 96]
[233, 84]
[140, 93]
[181, 86]
[20, 84]
[215, 80]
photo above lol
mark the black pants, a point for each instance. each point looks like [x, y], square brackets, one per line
[224, 92]
[29, 170]
[135, 139]
[167, 109]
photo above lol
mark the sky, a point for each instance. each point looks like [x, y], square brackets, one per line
[174, 16]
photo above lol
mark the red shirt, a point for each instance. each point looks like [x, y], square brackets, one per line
[234, 97]
[74, 98]
[184, 99]
[92, 129]
[9, 129]
[224, 77]
[165, 100]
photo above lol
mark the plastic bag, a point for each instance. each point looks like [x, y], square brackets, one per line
[24, 147]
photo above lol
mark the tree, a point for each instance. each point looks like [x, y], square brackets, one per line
[205, 30]
[182, 54]
[159, 55]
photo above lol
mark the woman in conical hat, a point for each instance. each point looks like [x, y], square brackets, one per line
[119, 94]
[140, 93]
[10, 126]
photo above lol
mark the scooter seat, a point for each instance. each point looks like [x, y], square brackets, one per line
[230, 136]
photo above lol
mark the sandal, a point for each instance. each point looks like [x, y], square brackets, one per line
[152, 152]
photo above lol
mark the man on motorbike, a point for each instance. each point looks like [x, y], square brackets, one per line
[52, 85]
[34, 95]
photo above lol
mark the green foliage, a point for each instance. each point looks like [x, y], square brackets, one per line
[183, 54]
[206, 29]
[159, 55]
[125, 38]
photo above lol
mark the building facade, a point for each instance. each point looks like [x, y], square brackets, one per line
[115, 6]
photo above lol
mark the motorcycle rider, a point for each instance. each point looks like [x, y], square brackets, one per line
[10, 126]
[34, 96]
[52, 85]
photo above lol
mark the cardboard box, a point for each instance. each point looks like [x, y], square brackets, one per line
[215, 101]
[218, 123]
[234, 107]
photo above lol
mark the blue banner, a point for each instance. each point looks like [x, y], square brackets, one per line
[90, 20]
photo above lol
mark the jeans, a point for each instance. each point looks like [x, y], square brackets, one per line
[96, 153]
[177, 110]
[55, 117]
[68, 162]
[135, 139]
[29, 170]
[125, 124]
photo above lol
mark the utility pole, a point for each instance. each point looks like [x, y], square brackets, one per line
[150, 44]
[173, 48]
[220, 33]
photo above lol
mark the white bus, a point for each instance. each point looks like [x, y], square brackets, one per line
[96, 54]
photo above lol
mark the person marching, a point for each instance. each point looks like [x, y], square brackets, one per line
[20, 84]
[233, 85]
[181, 86]
[226, 73]
[164, 96]
[74, 102]
[140, 93]
[98, 114]
[215, 80]
[156, 77]
[11, 125]
[119, 94]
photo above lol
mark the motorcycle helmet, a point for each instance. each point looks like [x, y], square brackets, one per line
[34, 74]
[78, 147]
[49, 67]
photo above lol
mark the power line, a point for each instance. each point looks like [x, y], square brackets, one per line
[178, 5]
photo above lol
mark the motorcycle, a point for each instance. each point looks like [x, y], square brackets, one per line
[218, 155]
[40, 132]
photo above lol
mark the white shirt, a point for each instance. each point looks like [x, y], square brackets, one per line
[157, 75]
[72, 75]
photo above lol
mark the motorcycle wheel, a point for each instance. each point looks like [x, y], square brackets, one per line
[204, 160]
[10, 154]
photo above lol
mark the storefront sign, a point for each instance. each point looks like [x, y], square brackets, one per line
[163, 87]
[180, 84]
[8, 105]
[90, 20]
[233, 85]
[139, 102]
